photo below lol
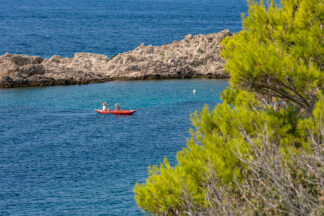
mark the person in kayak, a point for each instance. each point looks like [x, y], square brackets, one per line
[104, 106]
[117, 107]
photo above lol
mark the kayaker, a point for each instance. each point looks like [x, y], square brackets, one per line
[104, 106]
[116, 107]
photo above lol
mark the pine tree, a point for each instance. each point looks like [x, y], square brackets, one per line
[262, 150]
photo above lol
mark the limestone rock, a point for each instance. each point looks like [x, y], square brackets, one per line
[193, 57]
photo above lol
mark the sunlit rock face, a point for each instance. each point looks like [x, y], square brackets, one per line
[193, 57]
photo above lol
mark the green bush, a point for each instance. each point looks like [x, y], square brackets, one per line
[260, 152]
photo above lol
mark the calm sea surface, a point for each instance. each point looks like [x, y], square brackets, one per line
[63, 27]
[57, 155]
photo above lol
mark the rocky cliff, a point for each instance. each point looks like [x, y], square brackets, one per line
[193, 57]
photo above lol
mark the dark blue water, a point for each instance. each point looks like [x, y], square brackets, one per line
[59, 157]
[63, 27]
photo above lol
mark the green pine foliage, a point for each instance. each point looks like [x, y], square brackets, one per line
[279, 52]
[261, 151]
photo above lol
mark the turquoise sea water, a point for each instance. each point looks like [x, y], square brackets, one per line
[59, 157]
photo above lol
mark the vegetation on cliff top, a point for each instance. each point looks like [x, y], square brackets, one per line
[260, 152]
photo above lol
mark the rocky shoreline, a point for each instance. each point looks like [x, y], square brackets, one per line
[193, 57]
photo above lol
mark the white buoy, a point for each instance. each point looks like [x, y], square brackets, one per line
[194, 91]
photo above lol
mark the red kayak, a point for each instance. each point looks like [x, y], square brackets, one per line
[120, 112]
